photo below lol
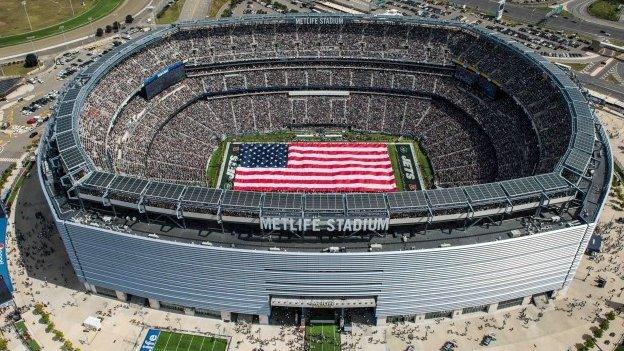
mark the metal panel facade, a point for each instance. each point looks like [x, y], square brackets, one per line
[404, 282]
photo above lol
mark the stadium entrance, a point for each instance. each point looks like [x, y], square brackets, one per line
[313, 310]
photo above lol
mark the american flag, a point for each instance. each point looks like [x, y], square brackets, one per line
[315, 167]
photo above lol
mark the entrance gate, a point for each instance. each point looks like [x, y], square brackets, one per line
[305, 310]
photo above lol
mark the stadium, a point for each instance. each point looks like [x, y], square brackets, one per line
[283, 169]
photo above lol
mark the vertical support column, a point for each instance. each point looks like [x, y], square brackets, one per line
[304, 316]
[492, 308]
[153, 303]
[381, 321]
[90, 288]
[526, 300]
[121, 296]
[226, 316]
[263, 319]
[559, 293]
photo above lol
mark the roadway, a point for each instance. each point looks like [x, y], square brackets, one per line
[579, 9]
[535, 15]
[194, 10]
[79, 36]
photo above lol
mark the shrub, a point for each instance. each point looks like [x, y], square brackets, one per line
[611, 315]
[58, 335]
[99, 32]
[45, 318]
[68, 346]
[129, 19]
[604, 325]
[39, 308]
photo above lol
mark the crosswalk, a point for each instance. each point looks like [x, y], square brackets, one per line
[6, 159]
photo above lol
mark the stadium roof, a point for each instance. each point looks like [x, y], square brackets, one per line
[7, 85]
[73, 157]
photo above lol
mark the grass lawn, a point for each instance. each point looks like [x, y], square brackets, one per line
[171, 13]
[23, 332]
[322, 337]
[576, 66]
[425, 166]
[606, 9]
[46, 18]
[15, 69]
[214, 166]
[169, 341]
[215, 6]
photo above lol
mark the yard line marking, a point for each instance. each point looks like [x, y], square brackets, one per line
[201, 347]
[180, 339]
[168, 338]
[189, 347]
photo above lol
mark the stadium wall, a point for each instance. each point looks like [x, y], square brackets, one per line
[404, 282]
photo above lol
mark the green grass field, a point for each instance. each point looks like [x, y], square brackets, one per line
[15, 69]
[47, 17]
[171, 13]
[217, 157]
[394, 158]
[322, 337]
[606, 9]
[169, 341]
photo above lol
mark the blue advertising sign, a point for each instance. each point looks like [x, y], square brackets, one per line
[4, 268]
[150, 340]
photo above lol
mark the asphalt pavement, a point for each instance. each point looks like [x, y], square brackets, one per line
[579, 9]
[194, 9]
[535, 15]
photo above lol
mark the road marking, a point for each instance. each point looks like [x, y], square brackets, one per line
[599, 69]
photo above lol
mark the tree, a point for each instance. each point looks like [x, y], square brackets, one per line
[590, 343]
[109, 28]
[4, 345]
[39, 308]
[58, 335]
[604, 325]
[129, 19]
[116, 26]
[31, 60]
[611, 315]
[598, 333]
[99, 32]
[67, 345]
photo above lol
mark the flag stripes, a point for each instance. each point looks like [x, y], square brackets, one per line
[315, 167]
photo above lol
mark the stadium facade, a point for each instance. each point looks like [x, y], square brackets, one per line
[480, 246]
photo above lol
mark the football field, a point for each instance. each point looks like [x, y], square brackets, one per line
[171, 341]
[322, 337]
[406, 168]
